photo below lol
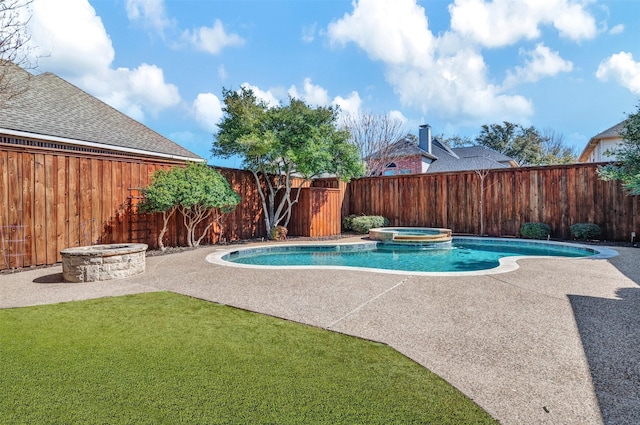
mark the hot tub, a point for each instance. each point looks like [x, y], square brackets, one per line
[418, 235]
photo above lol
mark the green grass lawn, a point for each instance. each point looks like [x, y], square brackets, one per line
[165, 358]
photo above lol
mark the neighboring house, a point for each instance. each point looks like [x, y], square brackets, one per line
[432, 156]
[54, 114]
[597, 148]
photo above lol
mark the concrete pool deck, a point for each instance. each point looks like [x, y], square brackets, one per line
[554, 342]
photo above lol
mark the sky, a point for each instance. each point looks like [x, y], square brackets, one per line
[569, 66]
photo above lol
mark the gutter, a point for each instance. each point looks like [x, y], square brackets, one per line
[74, 142]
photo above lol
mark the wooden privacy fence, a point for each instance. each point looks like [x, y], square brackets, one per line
[558, 196]
[317, 212]
[56, 200]
[51, 200]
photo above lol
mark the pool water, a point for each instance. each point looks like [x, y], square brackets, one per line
[464, 255]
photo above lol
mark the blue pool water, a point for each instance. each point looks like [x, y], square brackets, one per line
[465, 254]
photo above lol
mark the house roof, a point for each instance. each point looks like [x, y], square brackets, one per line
[404, 147]
[444, 158]
[610, 133]
[52, 108]
[465, 159]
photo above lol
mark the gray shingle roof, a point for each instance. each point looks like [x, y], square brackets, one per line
[53, 107]
[403, 148]
[447, 159]
[472, 158]
[610, 133]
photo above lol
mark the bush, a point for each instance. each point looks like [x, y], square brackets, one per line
[347, 222]
[584, 231]
[535, 231]
[362, 224]
[279, 233]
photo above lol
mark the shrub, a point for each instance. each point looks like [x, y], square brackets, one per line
[362, 224]
[347, 222]
[584, 231]
[535, 231]
[279, 233]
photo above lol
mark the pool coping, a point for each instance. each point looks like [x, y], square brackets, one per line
[507, 264]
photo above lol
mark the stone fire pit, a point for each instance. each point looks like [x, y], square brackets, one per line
[103, 262]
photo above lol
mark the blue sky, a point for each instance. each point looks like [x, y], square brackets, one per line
[572, 66]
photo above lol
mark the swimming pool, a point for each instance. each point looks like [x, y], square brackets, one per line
[464, 256]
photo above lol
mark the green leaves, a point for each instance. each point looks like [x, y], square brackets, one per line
[297, 137]
[196, 184]
[278, 144]
[196, 190]
[627, 169]
[526, 145]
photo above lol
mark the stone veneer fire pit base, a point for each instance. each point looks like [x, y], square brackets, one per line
[103, 262]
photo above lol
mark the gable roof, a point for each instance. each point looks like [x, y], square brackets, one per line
[466, 159]
[610, 133]
[53, 109]
[444, 158]
[404, 147]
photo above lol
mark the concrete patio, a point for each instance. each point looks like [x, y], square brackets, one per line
[554, 342]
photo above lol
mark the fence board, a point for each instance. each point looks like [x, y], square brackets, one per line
[4, 212]
[73, 214]
[27, 232]
[51, 246]
[61, 195]
[39, 211]
[13, 231]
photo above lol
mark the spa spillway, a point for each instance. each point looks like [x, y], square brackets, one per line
[411, 235]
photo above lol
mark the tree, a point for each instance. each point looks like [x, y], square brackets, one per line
[376, 136]
[555, 150]
[197, 191]
[627, 167]
[456, 141]
[283, 143]
[13, 48]
[520, 143]
[526, 145]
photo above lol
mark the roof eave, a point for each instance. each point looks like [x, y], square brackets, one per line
[99, 145]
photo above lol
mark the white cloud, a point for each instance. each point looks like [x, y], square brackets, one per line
[542, 62]
[442, 76]
[146, 84]
[150, 12]
[311, 94]
[222, 72]
[349, 105]
[207, 110]
[504, 22]
[621, 68]
[617, 29]
[309, 33]
[394, 32]
[212, 39]
[316, 95]
[399, 116]
[265, 96]
[73, 43]
[72, 38]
